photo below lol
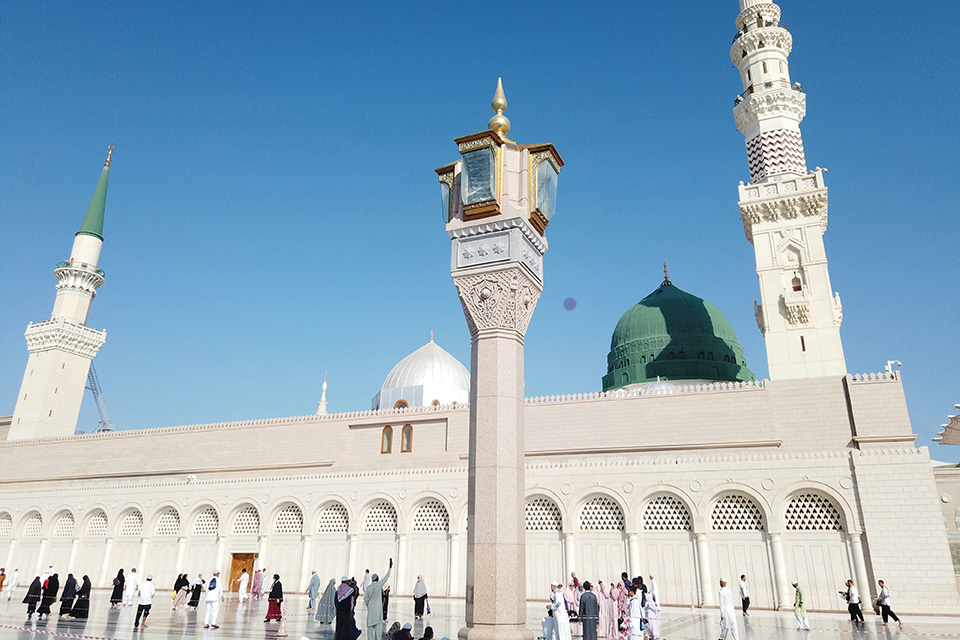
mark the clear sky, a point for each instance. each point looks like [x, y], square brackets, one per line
[273, 211]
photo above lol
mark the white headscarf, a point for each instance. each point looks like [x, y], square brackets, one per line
[420, 590]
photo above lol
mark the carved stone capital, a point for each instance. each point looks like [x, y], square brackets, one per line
[65, 336]
[763, 104]
[498, 299]
[784, 208]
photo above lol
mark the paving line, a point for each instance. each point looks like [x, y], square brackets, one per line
[685, 619]
[48, 632]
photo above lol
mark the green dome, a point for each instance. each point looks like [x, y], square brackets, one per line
[677, 336]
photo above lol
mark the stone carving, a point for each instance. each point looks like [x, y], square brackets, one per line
[756, 39]
[66, 336]
[797, 307]
[79, 275]
[785, 102]
[837, 309]
[498, 299]
[805, 205]
[758, 313]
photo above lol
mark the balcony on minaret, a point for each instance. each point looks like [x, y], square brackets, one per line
[796, 306]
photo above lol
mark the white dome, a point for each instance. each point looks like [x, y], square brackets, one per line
[427, 376]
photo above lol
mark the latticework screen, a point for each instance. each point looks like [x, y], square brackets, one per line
[381, 517]
[132, 524]
[64, 526]
[247, 521]
[431, 516]
[601, 514]
[542, 514]
[97, 525]
[289, 520]
[334, 519]
[207, 523]
[666, 513]
[168, 524]
[33, 527]
[813, 512]
[737, 512]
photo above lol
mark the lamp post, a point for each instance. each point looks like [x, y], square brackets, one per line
[498, 199]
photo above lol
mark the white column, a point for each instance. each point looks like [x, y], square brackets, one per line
[780, 586]
[860, 566]
[222, 556]
[12, 553]
[74, 552]
[306, 551]
[633, 553]
[707, 589]
[454, 572]
[400, 585]
[142, 561]
[353, 552]
[262, 553]
[41, 557]
[569, 556]
[105, 567]
[181, 553]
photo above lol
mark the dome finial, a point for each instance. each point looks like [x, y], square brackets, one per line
[499, 122]
[666, 277]
[109, 156]
[322, 405]
[431, 335]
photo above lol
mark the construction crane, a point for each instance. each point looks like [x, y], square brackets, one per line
[93, 384]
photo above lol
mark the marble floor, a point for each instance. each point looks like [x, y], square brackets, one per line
[246, 621]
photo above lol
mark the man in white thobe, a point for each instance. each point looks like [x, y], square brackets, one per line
[634, 614]
[13, 582]
[728, 619]
[366, 581]
[214, 596]
[312, 590]
[242, 582]
[131, 587]
[561, 621]
[373, 599]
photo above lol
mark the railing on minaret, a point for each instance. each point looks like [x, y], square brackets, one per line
[498, 199]
[784, 207]
[62, 347]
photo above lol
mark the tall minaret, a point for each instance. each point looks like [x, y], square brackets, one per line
[62, 347]
[784, 207]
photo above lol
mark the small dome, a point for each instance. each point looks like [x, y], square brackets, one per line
[659, 388]
[677, 336]
[428, 376]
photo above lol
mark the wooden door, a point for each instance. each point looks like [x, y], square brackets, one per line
[240, 562]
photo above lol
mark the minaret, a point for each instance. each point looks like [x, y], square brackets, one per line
[784, 207]
[322, 405]
[62, 347]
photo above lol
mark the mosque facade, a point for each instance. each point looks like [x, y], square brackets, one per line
[684, 466]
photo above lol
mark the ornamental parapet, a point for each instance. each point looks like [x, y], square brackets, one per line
[679, 389]
[788, 198]
[59, 333]
[79, 275]
[868, 378]
[768, 100]
[771, 34]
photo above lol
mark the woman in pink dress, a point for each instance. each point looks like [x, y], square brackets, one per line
[602, 601]
[613, 607]
[257, 590]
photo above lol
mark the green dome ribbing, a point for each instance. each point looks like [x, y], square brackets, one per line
[677, 336]
[93, 221]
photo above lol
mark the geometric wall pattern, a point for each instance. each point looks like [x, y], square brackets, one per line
[601, 514]
[666, 513]
[775, 152]
[334, 519]
[813, 512]
[207, 523]
[431, 516]
[168, 524]
[247, 521]
[132, 524]
[63, 527]
[542, 514]
[381, 517]
[6, 525]
[737, 512]
[289, 520]
[97, 525]
[33, 527]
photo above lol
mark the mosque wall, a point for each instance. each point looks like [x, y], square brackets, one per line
[707, 483]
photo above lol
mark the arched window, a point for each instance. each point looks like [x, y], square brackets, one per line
[401, 404]
[33, 527]
[812, 512]
[435, 403]
[334, 519]
[289, 520]
[406, 439]
[736, 512]
[542, 514]
[6, 525]
[64, 526]
[431, 516]
[624, 379]
[666, 513]
[796, 284]
[386, 440]
[168, 523]
[207, 523]
[247, 521]
[97, 525]
[132, 524]
[601, 514]
[700, 355]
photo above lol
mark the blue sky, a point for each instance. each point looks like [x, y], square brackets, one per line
[273, 211]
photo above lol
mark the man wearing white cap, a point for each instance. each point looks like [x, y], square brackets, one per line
[373, 600]
[144, 602]
[214, 595]
[728, 621]
[799, 609]
[558, 606]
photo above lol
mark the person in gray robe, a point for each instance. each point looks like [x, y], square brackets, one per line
[327, 609]
[589, 612]
[312, 590]
[373, 599]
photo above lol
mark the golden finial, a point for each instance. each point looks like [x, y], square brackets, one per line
[499, 122]
[431, 335]
[109, 156]
[666, 278]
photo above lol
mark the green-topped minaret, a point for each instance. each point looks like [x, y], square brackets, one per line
[62, 347]
[674, 335]
[93, 221]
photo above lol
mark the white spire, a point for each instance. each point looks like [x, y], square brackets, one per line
[322, 408]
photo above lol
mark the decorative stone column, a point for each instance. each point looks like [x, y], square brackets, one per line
[222, 556]
[780, 586]
[860, 566]
[633, 553]
[12, 553]
[306, 551]
[74, 552]
[706, 574]
[400, 581]
[353, 551]
[42, 556]
[569, 556]
[181, 553]
[262, 551]
[498, 199]
[142, 558]
[454, 571]
[105, 567]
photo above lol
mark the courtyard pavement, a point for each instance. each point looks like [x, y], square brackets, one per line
[446, 618]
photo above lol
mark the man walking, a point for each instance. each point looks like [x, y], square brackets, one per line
[312, 590]
[799, 609]
[883, 600]
[373, 599]
[366, 580]
[144, 602]
[132, 586]
[13, 582]
[214, 596]
[744, 595]
[852, 596]
[242, 585]
[728, 620]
